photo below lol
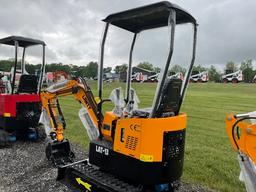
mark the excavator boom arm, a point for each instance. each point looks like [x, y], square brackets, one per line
[81, 93]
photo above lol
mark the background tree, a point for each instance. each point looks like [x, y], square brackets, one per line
[58, 67]
[107, 70]
[121, 68]
[231, 66]
[246, 67]
[246, 64]
[31, 69]
[178, 69]
[76, 71]
[157, 69]
[214, 75]
[199, 68]
[146, 65]
[5, 65]
[91, 70]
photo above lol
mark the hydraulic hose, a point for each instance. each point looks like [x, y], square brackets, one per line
[235, 126]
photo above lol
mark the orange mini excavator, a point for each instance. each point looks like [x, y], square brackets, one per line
[58, 149]
[241, 129]
[135, 149]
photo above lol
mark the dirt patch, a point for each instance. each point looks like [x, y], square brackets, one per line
[23, 167]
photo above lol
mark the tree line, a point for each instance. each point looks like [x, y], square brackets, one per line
[91, 69]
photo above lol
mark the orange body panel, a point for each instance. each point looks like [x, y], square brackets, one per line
[107, 128]
[247, 140]
[142, 138]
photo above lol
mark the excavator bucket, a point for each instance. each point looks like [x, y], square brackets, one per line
[60, 153]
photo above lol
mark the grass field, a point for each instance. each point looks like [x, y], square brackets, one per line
[209, 159]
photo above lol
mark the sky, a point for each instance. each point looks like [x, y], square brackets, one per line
[72, 30]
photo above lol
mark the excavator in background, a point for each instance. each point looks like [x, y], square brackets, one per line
[152, 78]
[199, 77]
[234, 77]
[178, 75]
[241, 130]
[20, 105]
[130, 149]
[155, 78]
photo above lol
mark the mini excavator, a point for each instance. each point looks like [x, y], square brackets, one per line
[20, 106]
[241, 129]
[132, 149]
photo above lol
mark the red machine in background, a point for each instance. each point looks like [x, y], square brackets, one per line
[20, 107]
[59, 76]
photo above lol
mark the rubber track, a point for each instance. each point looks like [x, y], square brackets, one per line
[106, 180]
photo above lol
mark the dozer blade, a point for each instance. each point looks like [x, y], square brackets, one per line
[81, 176]
[248, 172]
[60, 153]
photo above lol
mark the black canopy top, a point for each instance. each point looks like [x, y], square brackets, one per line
[22, 41]
[149, 17]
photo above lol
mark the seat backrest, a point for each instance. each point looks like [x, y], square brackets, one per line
[28, 84]
[169, 104]
[116, 96]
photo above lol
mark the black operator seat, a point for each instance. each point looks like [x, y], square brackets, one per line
[169, 100]
[28, 84]
[169, 104]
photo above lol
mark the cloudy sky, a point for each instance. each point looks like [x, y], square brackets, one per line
[72, 30]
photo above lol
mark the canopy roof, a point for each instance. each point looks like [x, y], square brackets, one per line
[149, 17]
[22, 41]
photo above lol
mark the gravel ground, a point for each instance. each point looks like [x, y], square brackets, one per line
[23, 167]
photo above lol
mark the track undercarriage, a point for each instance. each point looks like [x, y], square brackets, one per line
[81, 176]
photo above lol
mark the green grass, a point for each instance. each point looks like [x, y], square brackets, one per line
[209, 158]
